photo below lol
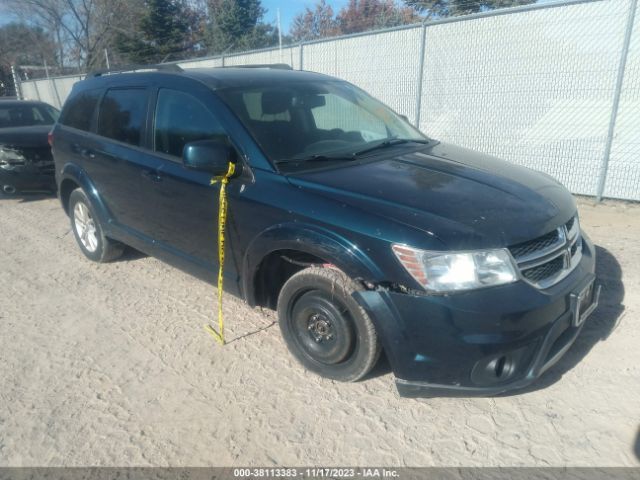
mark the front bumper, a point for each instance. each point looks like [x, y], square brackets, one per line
[28, 177]
[483, 342]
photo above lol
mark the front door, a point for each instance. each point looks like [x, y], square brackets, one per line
[184, 219]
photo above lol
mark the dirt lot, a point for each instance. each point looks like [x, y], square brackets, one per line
[110, 365]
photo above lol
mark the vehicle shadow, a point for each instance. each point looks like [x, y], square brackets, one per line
[596, 328]
[32, 196]
[130, 254]
[381, 368]
[636, 447]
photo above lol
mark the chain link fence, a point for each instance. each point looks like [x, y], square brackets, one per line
[554, 87]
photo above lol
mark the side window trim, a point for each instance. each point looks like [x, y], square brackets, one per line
[93, 126]
[151, 124]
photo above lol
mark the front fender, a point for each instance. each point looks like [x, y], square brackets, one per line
[310, 239]
[72, 172]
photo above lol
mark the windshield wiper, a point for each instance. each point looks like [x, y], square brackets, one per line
[388, 143]
[318, 158]
[351, 156]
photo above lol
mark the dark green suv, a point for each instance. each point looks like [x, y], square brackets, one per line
[471, 274]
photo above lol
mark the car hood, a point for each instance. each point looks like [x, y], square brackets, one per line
[25, 136]
[464, 198]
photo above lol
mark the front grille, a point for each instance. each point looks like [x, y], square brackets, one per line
[544, 271]
[46, 168]
[570, 223]
[37, 154]
[574, 248]
[30, 158]
[546, 260]
[537, 244]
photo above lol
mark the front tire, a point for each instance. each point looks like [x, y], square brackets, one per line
[324, 327]
[88, 231]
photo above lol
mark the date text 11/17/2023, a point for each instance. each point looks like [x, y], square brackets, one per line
[315, 472]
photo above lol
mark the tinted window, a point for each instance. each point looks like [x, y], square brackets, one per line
[78, 111]
[296, 122]
[255, 110]
[25, 115]
[122, 115]
[180, 119]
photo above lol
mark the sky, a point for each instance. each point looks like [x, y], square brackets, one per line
[6, 18]
[290, 8]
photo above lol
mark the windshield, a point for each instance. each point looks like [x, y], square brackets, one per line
[27, 115]
[299, 122]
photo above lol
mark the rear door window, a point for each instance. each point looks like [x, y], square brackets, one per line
[122, 115]
[78, 113]
[181, 118]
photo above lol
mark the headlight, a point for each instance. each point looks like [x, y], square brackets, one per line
[448, 272]
[10, 157]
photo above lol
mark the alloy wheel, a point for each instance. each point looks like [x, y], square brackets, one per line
[85, 227]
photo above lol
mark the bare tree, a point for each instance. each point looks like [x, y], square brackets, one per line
[81, 28]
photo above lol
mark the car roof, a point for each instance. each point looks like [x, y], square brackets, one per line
[17, 103]
[247, 77]
[214, 77]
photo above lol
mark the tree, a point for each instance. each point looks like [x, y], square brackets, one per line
[364, 15]
[22, 44]
[356, 16]
[237, 25]
[317, 23]
[81, 29]
[166, 29]
[452, 8]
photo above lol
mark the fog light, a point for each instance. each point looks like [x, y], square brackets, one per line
[500, 368]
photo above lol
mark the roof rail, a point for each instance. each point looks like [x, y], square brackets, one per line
[165, 67]
[276, 66]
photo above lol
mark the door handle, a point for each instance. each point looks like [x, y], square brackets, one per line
[152, 175]
[86, 153]
[82, 151]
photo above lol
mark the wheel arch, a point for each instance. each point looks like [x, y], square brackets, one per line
[299, 246]
[73, 177]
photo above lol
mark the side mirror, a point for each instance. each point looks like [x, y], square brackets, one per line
[211, 156]
[405, 118]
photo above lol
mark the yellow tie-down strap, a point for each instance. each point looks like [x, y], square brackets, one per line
[222, 220]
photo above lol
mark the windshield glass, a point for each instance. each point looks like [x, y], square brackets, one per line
[26, 115]
[298, 122]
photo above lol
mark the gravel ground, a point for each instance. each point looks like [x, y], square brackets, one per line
[110, 365]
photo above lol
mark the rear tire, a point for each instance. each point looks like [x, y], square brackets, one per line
[88, 231]
[324, 327]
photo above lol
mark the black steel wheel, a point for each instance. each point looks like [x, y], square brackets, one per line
[324, 327]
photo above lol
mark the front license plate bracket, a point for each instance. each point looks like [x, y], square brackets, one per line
[584, 302]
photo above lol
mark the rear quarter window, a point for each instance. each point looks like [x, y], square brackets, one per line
[79, 110]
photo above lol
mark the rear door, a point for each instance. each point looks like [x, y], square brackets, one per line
[117, 164]
[77, 121]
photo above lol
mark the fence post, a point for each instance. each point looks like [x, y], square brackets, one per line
[301, 54]
[602, 177]
[420, 74]
[35, 86]
[16, 83]
[52, 85]
[223, 60]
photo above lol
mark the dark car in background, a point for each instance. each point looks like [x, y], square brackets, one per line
[471, 274]
[25, 155]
